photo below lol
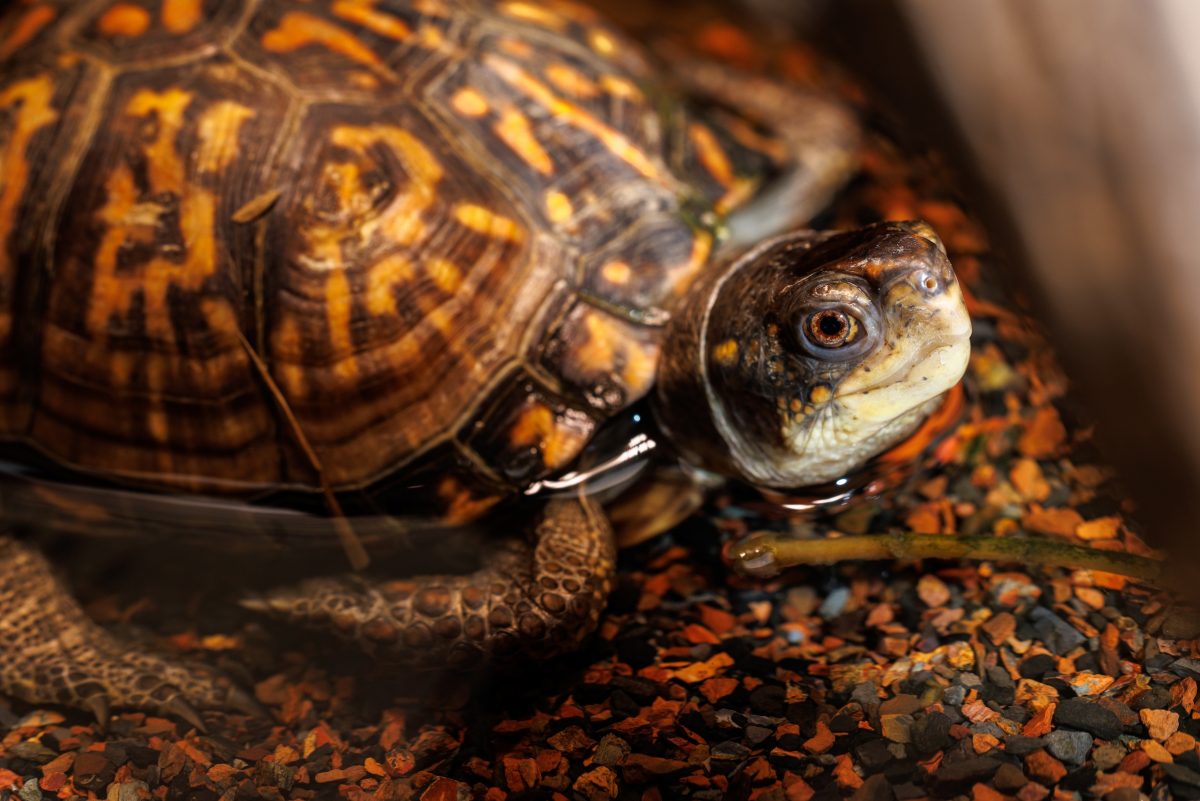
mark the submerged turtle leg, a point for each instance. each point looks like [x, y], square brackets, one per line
[768, 154]
[52, 652]
[529, 599]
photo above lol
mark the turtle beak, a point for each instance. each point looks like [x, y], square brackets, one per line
[928, 346]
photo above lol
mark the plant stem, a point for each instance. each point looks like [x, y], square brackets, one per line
[766, 555]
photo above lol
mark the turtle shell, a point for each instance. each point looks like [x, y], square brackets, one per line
[254, 245]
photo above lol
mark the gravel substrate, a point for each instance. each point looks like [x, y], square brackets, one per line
[874, 682]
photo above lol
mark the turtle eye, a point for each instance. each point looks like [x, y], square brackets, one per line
[927, 281]
[831, 328]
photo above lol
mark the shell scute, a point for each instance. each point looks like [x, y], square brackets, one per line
[528, 431]
[147, 291]
[348, 47]
[35, 144]
[404, 282]
[145, 31]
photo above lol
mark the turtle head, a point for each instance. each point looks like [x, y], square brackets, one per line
[813, 352]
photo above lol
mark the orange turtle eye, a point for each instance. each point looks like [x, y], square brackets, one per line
[831, 328]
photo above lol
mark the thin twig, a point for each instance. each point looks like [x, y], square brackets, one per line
[767, 555]
[355, 552]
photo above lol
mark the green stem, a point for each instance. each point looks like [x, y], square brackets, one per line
[767, 555]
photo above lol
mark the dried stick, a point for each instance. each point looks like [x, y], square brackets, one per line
[766, 555]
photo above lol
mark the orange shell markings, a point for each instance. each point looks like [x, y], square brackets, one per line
[31, 100]
[538, 426]
[34, 20]
[299, 29]
[124, 19]
[181, 16]
[373, 20]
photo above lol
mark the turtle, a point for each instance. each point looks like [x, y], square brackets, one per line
[274, 271]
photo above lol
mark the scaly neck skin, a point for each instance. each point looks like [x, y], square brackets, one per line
[696, 426]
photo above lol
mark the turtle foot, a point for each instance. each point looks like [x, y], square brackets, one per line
[51, 652]
[528, 600]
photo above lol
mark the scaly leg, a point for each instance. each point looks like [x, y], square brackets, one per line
[527, 600]
[51, 652]
[809, 137]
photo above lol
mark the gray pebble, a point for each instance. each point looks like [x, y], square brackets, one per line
[1069, 746]
[834, 603]
[1108, 755]
[30, 791]
[1059, 635]
[954, 695]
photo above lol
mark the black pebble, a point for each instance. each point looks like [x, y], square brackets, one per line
[1037, 666]
[873, 755]
[635, 651]
[931, 733]
[622, 704]
[1079, 779]
[957, 777]
[643, 690]
[875, 788]
[1154, 698]
[1085, 715]
[769, 699]
[1018, 745]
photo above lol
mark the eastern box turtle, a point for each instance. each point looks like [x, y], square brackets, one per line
[400, 260]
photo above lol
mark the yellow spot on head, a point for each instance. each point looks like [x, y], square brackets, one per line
[516, 132]
[124, 19]
[469, 103]
[558, 207]
[445, 274]
[726, 353]
[821, 393]
[796, 405]
[483, 221]
[602, 43]
[180, 16]
[617, 272]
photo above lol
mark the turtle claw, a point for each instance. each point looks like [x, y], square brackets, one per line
[100, 708]
[242, 701]
[178, 707]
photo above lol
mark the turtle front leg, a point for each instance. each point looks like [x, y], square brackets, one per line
[52, 652]
[530, 599]
[769, 154]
